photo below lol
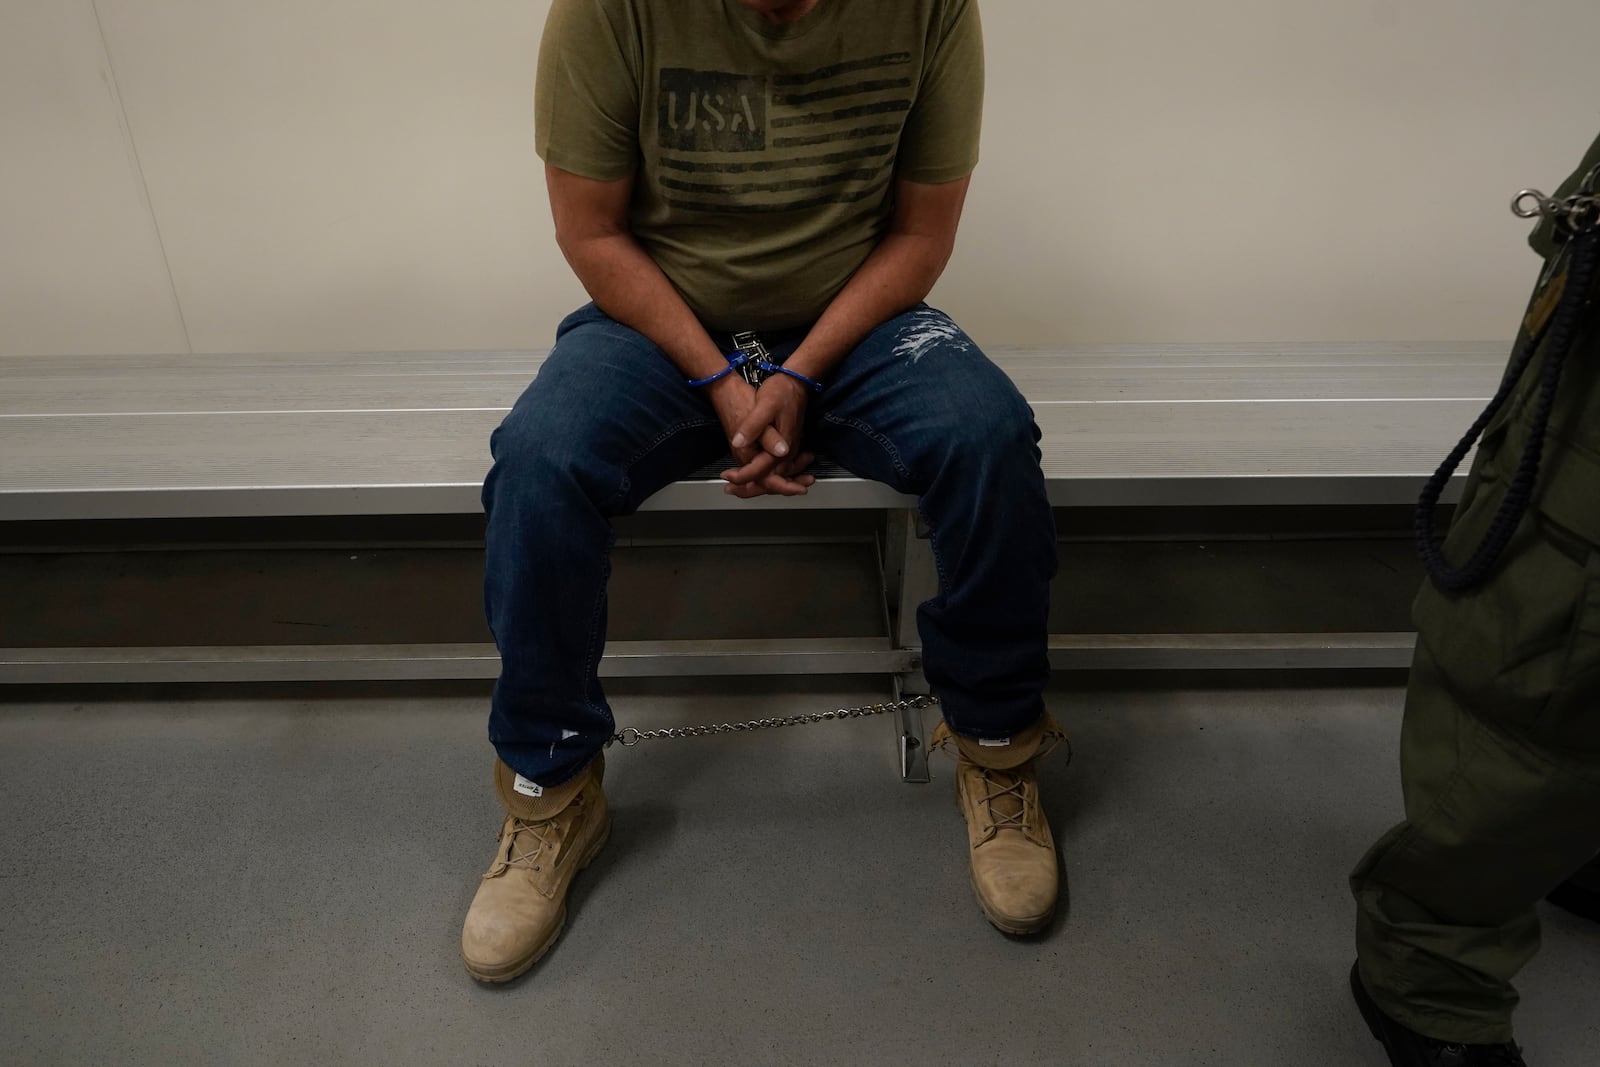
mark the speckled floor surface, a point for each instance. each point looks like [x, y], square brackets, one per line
[252, 881]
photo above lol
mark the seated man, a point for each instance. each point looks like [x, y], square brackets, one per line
[1500, 749]
[781, 177]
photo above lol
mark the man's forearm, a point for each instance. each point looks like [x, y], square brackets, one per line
[629, 287]
[897, 276]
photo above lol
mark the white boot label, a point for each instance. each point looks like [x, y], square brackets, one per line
[1001, 742]
[527, 788]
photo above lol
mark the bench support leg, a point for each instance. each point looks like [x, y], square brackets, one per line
[913, 742]
[909, 578]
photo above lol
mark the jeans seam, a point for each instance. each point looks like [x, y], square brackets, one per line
[933, 543]
[591, 657]
[875, 436]
[591, 660]
[644, 450]
[666, 435]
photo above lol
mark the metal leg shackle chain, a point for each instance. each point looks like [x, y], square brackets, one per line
[632, 736]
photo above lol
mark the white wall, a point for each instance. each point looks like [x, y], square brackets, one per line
[224, 175]
[81, 267]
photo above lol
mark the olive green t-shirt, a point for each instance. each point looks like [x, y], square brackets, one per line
[764, 157]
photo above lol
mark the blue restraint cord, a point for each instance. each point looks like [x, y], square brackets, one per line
[775, 368]
[735, 361]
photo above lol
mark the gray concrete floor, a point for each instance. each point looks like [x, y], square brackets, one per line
[252, 881]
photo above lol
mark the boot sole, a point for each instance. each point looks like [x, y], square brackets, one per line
[1371, 1014]
[1007, 924]
[1580, 900]
[1004, 923]
[496, 975]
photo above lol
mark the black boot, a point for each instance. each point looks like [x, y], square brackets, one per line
[1580, 894]
[1407, 1048]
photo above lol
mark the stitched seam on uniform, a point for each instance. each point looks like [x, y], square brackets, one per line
[1589, 601]
[877, 438]
[1445, 794]
[1484, 1035]
[1537, 750]
[1457, 776]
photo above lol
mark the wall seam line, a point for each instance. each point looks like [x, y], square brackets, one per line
[138, 165]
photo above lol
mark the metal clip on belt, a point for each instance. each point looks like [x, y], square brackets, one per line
[1571, 214]
[1555, 320]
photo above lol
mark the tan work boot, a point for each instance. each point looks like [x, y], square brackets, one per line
[1014, 870]
[549, 835]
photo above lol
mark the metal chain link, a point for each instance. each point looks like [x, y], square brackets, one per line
[632, 736]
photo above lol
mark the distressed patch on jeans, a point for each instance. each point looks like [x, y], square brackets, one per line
[927, 330]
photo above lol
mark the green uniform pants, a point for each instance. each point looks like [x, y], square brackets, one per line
[1500, 747]
[1500, 762]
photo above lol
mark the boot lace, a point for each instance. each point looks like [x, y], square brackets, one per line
[1006, 798]
[529, 842]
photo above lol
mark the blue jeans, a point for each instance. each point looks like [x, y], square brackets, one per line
[609, 421]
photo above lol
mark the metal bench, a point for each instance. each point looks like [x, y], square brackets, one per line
[354, 434]
[406, 433]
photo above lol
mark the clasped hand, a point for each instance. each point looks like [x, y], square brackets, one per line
[764, 428]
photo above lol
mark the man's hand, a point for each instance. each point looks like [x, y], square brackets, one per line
[763, 428]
